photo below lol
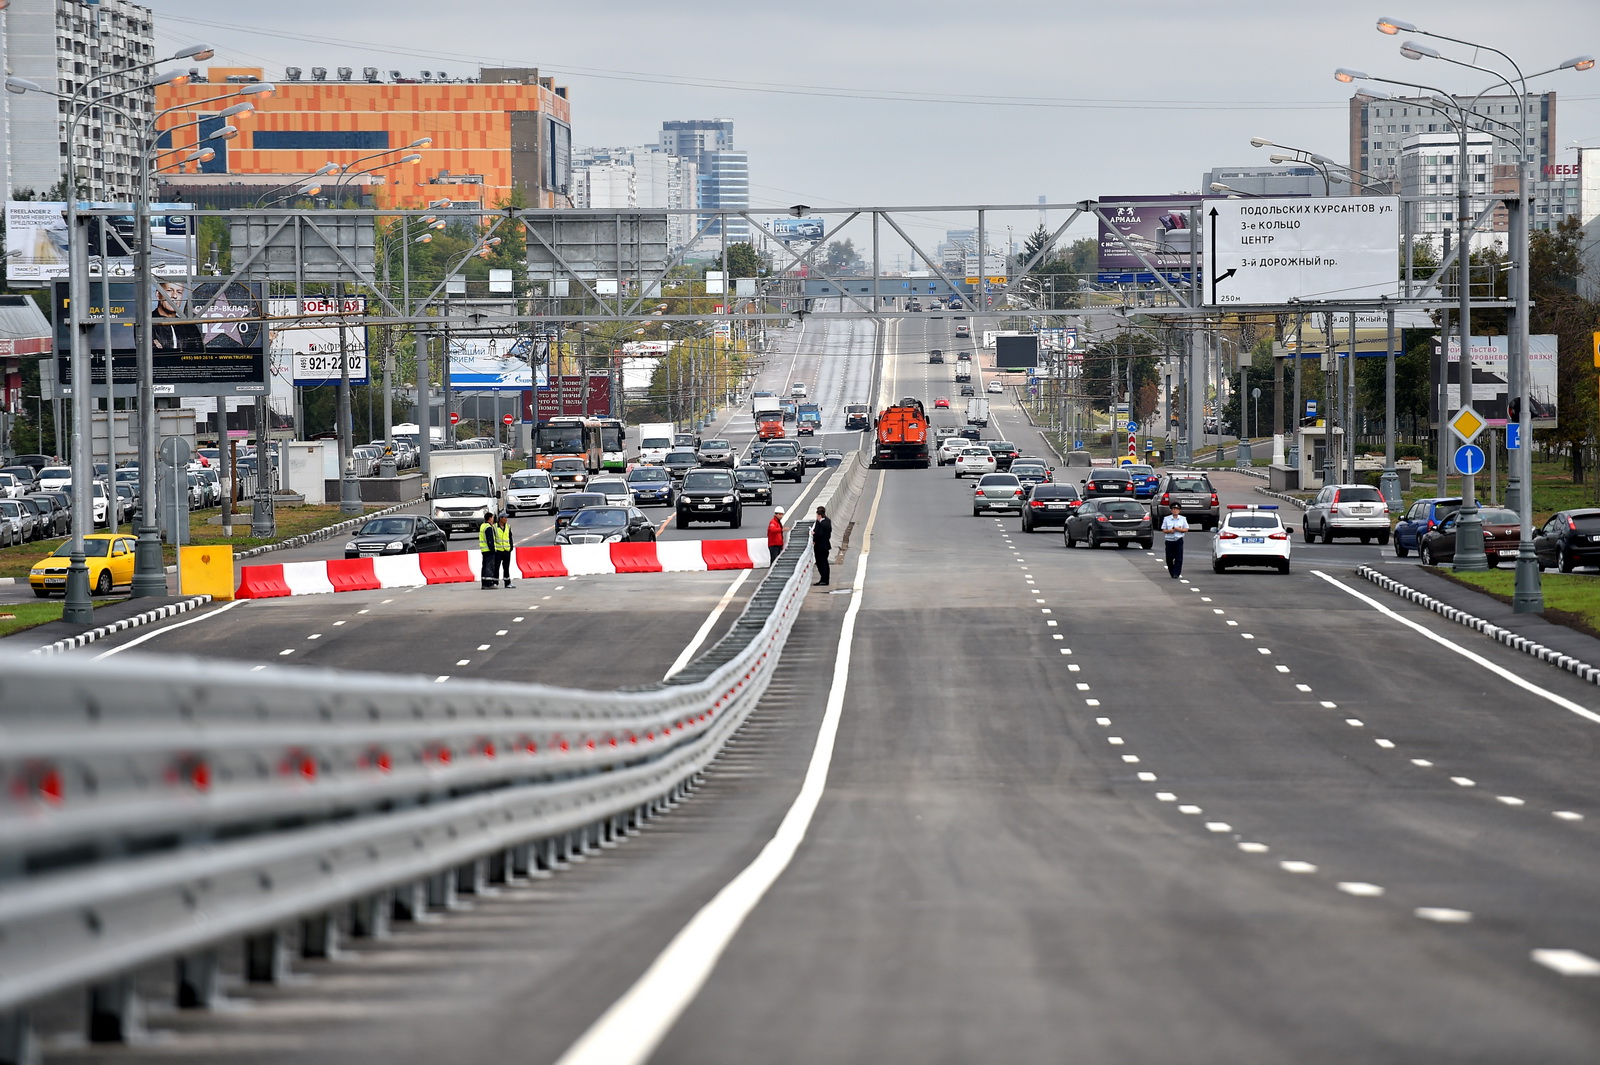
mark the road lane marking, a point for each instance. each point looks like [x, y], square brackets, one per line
[633, 1027]
[1190, 810]
[1254, 848]
[166, 628]
[1511, 800]
[1297, 867]
[1148, 778]
[699, 638]
[1360, 888]
[1423, 762]
[464, 661]
[1385, 744]
[1465, 782]
[1303, 687]
[1471, 656]
[1442, 914]
[1218, 826]
[1567, 962]
[1568, 815]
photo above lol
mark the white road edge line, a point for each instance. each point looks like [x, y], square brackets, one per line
[1499, 671]
[706, 626]
[629, 1032]
[152, 634]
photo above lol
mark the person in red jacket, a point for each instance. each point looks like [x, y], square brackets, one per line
[775, 533]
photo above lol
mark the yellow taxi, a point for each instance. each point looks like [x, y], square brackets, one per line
[109, 557]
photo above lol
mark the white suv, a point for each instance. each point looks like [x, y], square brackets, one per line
[1347, 510]
[975, 461]
[1250, 535]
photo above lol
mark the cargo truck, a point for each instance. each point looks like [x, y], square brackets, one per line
[902, 435]
[808, 420]
[857, 416]
[762, 406]
[465, 488]
[978, 412]
[655, 440]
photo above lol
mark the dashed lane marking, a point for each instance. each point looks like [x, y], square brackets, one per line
[1360, 888]
[1567, 962]
[1442, 914]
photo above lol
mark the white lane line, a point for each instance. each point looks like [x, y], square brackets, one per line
[290, 651]
[1357, 887]
[1465, 782]
[1218, 826]
[1103, 721]
[1148, 778]
[1248, 635]
[1081, 686]
[336, 624]
[1281, 669]
[631, 1029]
[699, 638]
[1353, 722]
[1190, 810]
[1264, 650]
[381, 603]
[1072, 667]
[1567, 962]
[316, 635]
[1297, 867]
[1471, 656]
[1232, 623]
[1091, 702]
[166, 628]
[1254, 848]
[255, 669]
[1385, 744]
[1298, 687]
[481, 646]
[1423, 762]
[1511, 800]
[436, 680]
[1166, 796]
[1115, 741]
[1442, 914]
[461, 661]
[1329, 706]
[498, 632]
[514, 620]
[1568, 815]
[360, 611]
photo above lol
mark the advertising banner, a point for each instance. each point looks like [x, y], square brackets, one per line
[498, 364]
[789, 230]
[36, 241]
[1016, 352]
[1159, 226]
[1490, 379]
[567, 395]
[1266, 251]
[207, 336]
[1309, 340]
[306, 333]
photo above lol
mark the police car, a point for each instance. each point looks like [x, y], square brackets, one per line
[1250, 535]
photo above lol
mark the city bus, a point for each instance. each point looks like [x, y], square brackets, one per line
[613, 445]
[568, 436]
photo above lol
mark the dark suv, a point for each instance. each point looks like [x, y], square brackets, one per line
[709, 495]
[936, 355]
[783, 459]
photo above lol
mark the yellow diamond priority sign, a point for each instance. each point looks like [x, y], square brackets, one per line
[1467, 425]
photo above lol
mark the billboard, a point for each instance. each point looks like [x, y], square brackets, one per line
[567, 394]
[306, 333]
[1490, 379]
[789, 230]
[1308, 339]
[498, 364]
[1016, 352]
[1266, 251]
[1159, 226]
[208, 337]
[36, 241]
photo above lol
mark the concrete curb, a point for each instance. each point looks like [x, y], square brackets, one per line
[158, 614]
[1279, 495]
[1538, 650]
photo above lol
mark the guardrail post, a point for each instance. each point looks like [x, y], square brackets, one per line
[499, 871]
[114, 1011]
[523, 863]
[17, 1043]
[469, 877]
[441, 891]
[410, 901]
[264, 961]
[369, 916]
[196, 979]
[319, 936]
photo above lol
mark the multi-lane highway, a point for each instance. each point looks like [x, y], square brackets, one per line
[1006, 802]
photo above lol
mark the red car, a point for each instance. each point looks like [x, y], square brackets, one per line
[941, 403]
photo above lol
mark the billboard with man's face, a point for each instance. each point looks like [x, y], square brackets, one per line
[206, 338]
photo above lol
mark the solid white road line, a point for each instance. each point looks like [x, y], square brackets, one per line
[706, 626]
[166, 628]
[629, 1032]
[1505, 674]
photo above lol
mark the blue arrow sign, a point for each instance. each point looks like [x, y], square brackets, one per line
[1133, 427]
[1077, 445]
[1513, 436]
[1469, 459]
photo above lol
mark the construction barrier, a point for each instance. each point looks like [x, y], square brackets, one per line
[462, 567]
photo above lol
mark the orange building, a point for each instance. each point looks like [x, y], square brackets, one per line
[506, 128]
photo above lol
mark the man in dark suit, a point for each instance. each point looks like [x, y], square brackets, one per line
[821, 545]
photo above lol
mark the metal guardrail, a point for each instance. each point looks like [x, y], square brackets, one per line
[152, 810]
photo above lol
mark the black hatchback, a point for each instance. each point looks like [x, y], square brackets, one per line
[1049, 506]
[1101, 521]
[1570, 538]
[397, 534]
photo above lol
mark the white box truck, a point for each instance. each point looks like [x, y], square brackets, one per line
[978, 412]
[465, 489]
[763, 407]
[655, 440]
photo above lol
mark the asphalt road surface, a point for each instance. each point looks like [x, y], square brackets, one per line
[1015, 803]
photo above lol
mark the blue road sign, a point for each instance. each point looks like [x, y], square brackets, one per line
[1513, 436]
[1469, 459]
[1077, 445]
[1311, 407]
[1133, 427]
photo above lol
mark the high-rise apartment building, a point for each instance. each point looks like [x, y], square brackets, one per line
[659, 181]
[1430, 166]
[724, 173]
[60, 45]
[1379, 128]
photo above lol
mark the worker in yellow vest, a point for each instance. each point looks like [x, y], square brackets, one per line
[494, 541]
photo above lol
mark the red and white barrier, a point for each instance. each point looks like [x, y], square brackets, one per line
[463, 567]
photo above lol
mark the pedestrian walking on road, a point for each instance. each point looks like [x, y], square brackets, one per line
[1173, 527]
[502, 547]
[775, 533]
[821, 545]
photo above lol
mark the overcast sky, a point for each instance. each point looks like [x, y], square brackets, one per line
[880, 102]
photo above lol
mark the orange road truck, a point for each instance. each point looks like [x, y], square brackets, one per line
[902, 435]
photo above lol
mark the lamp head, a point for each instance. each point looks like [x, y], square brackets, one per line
[326, 168]
[260, 88]
[1346, 75]
[310, 190]
[240, 108]
[171, 77]
[201, 52]
[1392, 26]
[22, 85]
[1260, 142]
[1282, 159]
[1417, 50]
[410, 158]
[1217, 186]
[420, 142]
[426, 238]
[1582, 62]
[224, 133]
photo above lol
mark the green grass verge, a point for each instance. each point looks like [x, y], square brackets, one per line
[1570, 599]
[22, 616]
[291, 521]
